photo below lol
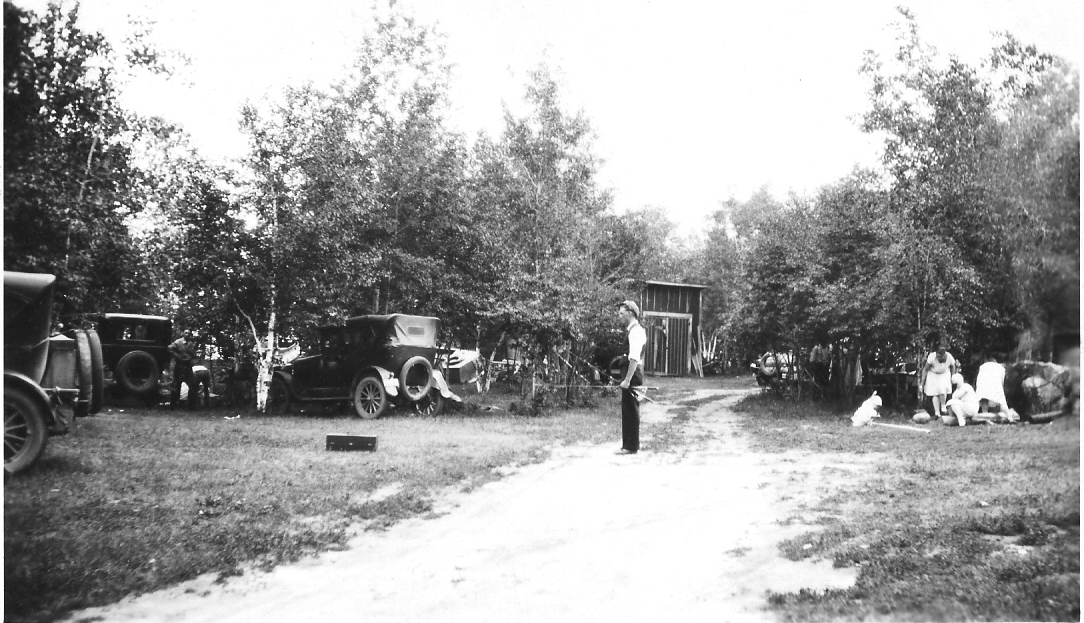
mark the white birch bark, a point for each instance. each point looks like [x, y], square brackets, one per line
[265, 357]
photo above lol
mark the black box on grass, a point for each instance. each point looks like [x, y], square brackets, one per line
[339, 441]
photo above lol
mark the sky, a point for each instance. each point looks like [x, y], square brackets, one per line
[692, 102]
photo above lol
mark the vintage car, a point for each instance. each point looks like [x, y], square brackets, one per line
[772, 370]
[135, 353]
[48, 380]
[373, 362]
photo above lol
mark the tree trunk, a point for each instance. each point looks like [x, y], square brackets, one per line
[264, 360]
[489, 363]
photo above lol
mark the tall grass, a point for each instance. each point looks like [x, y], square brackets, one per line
[973, 523]
[138, 500]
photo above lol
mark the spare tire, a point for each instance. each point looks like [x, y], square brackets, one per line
[769, 365]
[411, 377]
[85, 376]
[617, 367]
[137, 372]
[97, 372]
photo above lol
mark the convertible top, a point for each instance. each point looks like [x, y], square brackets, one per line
[28, 314]
[398, 329]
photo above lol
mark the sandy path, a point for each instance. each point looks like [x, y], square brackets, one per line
[585, 536]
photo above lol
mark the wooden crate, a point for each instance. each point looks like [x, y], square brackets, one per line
[341, 441]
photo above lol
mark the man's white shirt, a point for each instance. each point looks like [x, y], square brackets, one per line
[637, 342]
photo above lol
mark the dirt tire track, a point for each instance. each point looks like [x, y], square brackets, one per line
[586, 535]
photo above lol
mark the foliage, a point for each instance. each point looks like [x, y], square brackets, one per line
[1034, 177]
[550, 219]
[357, 198]
[950, 134]
[357, 193]
[780, 269]
[971, 234]
[68, 175]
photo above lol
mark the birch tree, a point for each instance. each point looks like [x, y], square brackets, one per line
[354, 188]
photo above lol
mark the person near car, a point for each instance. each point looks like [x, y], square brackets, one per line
[628, 314]
[201, 383]
[819, 359]
[183, 350]
[937, 378]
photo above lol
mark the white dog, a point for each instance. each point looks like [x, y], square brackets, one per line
[863, 416]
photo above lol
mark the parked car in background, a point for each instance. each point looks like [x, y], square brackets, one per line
[773, 369]
[610, 358]
[373, 362]
[48, 380]
[135, 353]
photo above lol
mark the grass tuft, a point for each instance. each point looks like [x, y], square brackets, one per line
[973, 523]
[136, 500]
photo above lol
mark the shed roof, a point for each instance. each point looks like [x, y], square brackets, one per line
[667, 283]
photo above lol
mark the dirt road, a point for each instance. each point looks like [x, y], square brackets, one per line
[588, 535]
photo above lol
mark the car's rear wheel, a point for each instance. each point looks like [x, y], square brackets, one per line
[370, 399]
[431, 405]
[137, 372]
[24, 430]
[416, 378]
[278, 397]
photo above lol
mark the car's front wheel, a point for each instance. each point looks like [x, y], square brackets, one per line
[24, 430]
[370, 399]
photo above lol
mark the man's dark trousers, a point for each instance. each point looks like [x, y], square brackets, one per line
[182, 373]
[630, 413]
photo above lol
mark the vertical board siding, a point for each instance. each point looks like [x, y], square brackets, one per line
[670, 329]
[668, 344]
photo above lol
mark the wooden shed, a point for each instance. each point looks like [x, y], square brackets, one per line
[671, 317]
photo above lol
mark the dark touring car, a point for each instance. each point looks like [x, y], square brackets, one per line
[371, 361]
[48, 380]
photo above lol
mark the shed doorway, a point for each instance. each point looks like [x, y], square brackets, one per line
[668, 338]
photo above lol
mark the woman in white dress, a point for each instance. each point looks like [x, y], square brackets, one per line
[990, 386]
[964, 402]
[937, 378]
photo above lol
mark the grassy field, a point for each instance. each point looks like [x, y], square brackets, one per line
[138, 499]
[961, 524]
[977, 523]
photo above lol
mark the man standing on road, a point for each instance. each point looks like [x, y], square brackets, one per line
[183, 351]
[628, 314]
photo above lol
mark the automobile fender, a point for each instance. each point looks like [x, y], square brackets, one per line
[391, 382]
[286, 378]
[35, 392]
[442, 386]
